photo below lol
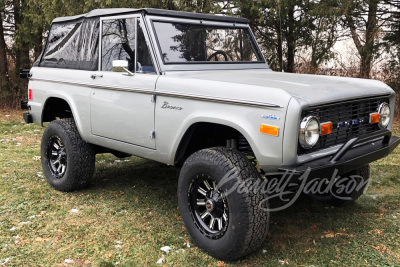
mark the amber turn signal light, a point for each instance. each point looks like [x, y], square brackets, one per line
[270, 130]
[374, 117]
[326, 128]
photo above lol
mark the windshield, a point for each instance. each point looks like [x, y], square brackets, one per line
[184, 43]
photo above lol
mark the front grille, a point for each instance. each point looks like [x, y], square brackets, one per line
[340, 113]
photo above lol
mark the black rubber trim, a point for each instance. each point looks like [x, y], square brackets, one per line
[24, 105]
[152, 11]
[190, 15]
[27, 117]
[348, 157]
[24, 73]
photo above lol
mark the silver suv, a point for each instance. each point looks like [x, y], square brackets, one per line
[195, 91]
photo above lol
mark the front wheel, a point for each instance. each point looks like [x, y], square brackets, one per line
[68, 162]
[221, 203]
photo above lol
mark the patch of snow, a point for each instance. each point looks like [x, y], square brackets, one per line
[160, 260]
[374, 197]
[6, 260]
[166, 249]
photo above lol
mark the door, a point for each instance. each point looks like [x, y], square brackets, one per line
[122, 106]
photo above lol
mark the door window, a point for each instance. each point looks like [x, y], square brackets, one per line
[118, 43]
[145, 63]
[122, 40]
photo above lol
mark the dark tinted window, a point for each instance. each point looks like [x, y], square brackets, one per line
[118, 43]
[72, 45]
[145, 63]
[199, 43]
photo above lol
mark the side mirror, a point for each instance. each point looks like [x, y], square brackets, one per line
[121, 66]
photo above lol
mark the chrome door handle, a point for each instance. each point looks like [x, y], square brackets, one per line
[94, 76]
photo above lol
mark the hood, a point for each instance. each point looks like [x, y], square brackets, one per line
[315, 89]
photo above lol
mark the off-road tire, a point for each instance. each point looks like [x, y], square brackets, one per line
[359, 177]
[79, 160]
[248, 218]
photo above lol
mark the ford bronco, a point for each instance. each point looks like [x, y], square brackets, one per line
[194, 91]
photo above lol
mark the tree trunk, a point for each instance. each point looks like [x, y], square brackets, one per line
[291, 41]
[4, 81]
[279, 45]
[366, 51]
[22, 60]
[368, 48]
[38, 43]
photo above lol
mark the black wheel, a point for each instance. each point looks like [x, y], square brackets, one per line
[68, 161]
[215, 54]
[347, 188]
[222, 210]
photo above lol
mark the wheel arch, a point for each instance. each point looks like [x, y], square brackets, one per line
[59, 106]
[212, 134]
[56, 107]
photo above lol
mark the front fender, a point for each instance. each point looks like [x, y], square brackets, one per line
[171, 126]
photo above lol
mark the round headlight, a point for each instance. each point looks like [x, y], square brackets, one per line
[384, 115]
[309, 132]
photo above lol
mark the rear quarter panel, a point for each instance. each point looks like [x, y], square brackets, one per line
[49, 82]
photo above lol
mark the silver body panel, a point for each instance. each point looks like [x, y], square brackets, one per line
[119, 112]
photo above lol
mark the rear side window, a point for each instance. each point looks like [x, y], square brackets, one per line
[72, 45]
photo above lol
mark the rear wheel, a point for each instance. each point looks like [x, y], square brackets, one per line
[68, 162]
[222, 210]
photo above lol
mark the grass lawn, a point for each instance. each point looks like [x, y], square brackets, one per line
[131, 211]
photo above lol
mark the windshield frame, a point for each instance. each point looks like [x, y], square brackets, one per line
[204, 65]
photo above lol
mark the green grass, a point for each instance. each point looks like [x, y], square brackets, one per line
[131, 211]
